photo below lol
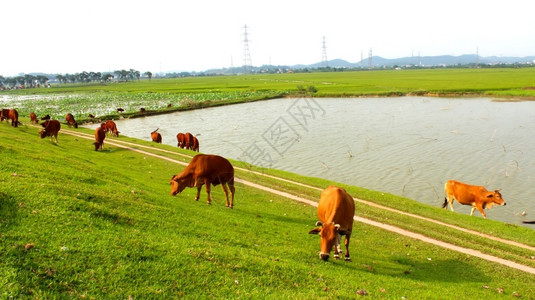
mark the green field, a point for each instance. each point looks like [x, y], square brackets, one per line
[156, 95]
[75, 223]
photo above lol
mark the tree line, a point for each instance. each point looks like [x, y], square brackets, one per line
[31, 81]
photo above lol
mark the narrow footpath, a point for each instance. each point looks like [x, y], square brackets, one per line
[397, 230]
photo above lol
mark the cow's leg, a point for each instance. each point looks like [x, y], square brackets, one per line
[337, 248]
[232, 190]
[450, 201]
[208, 187]
[225, 190]
[346, 243]
[199, 186]
[480, 208]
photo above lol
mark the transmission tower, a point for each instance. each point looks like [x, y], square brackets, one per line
[247, 63]
[324, 54]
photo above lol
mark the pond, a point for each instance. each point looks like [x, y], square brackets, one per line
[408, 146]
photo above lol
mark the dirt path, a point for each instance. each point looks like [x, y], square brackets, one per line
[472, 252]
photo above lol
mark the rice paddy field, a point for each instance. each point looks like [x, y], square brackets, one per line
[166, 95]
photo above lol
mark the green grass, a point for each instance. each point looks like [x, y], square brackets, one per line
[155, 95]
[103, 226]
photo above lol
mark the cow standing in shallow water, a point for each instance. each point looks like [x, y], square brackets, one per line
[476, 196]
[206, 170]
[336, 210]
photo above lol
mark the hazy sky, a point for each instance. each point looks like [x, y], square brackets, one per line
[68, 36]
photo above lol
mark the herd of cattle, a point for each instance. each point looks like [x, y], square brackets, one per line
[336, 208]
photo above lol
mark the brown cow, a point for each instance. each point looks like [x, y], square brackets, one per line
[110, 126]
[336, 210]
[476, 196]
[10, 114]
[70, 120]
[156, 137]
[51, 129]
[100, 134]
[206, 170]
[3, 114]
[181, 138]
[188, 140]
[33, 118]
[195, 145]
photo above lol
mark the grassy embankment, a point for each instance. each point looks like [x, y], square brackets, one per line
[196, 92]
[75, 223]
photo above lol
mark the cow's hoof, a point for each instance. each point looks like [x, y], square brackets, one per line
[208, 203]
[348, 259]
[337, 257]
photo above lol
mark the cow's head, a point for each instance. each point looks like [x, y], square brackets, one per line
[97, 145]
[494, 198]
[42, 133]
[330, 233]
[177, 185]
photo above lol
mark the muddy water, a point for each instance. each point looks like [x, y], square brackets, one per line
[407, 146]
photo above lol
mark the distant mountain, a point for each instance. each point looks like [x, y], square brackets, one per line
[426, 61]
[381, 62]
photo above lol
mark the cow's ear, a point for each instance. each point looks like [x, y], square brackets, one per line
[319, 223]
[490, 195]
[315, 231]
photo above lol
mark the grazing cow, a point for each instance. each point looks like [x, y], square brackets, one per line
[100, 134]
[335, 212]
[110, 126]
[10, 114]
[188, 140]
[142, 110]
[181, 138]
[51, 129]
[120, 110]
[206, 170]
[476, 196]
[33, 118]
[156, 137]
[70, 120]
[195, 144]
[3, 114]
[91, 116]
[45, 118]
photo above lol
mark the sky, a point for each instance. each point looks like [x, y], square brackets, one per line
[65, 36]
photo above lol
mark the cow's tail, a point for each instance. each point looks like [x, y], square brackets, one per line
[445, 202]
[445, 195]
